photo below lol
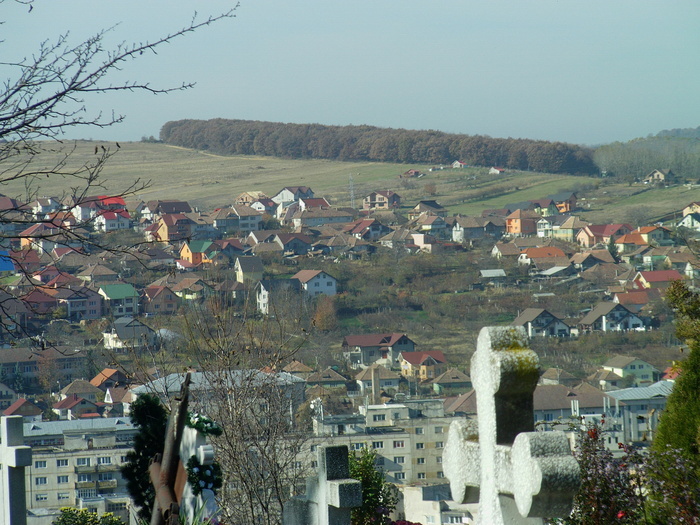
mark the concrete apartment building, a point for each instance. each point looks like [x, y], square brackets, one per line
[408, 437]
[76, 464]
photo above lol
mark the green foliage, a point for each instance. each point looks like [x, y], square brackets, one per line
[378, 496]
[71, 516]
[150, 417]
[679, 426]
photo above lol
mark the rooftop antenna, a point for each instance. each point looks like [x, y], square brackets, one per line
[352, 192]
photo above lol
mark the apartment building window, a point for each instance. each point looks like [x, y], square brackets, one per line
[314, 464]
[122, 459]
[40, 481]
[62, 496]
[400, 476]
[104, 460]
[40, 464]
[420, 446]
[87, 493]
[82, 478]
[82, 462]
[105, 476]
[399, 459]
[116, 507]
[62, 479]
[399, 444]
[419, 431]
[438, 460]
[421, 475]
[379, 417]
[313, 448]
[357, 446]
[420, 461]
[377, 444]
[438, 430]
[379, 460]
[441, 474]
[42, 497]
[439, 444]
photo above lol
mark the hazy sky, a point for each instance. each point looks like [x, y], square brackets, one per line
[588, 71]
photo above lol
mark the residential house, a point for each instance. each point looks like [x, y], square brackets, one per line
[80, 302]
[7, 396]
[459, 164]
[522, 223]
[298, 369]
[363, 350]
[316, 282]
[566, 202]
[381, 200]
[656, 278]
[97, 274]
[637, 370]
[237, 218]
[399, 238]
[314, 217]
[81, 388]
[25, 408]
[451, 382]
[266, 206]
[327, 378]
[588, 259]
[293, 194]
[636, 300]
[558, 376]
[693, 207]
[529, 256]
[657, 235]
[128, 334]
[611, 317]
[496, 170]
[428, 207]
[109, 378]
[159, 300]
[75, 407]
[109, 221]
[191, 289]
[465, 229]
[198, 252]
[44, 206]
[540, 322]
[367, 229]
[309, 203]
[294, 243]
[630, 243]
[39, 303]
[29, 364]
[424, 366]
[385, 379]
[432, 225]
[690, 221]
[173, 227]
[155, 209]
[665, 177]
[568, 230]
[594, 234]
[248, 269]
[641, 408]
[505, 249]
[271, 295]
[120, 299]
[249, 197]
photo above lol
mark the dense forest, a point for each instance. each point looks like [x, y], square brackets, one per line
[368, 143]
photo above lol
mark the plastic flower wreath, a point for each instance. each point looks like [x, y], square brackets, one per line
[203, 424]
[201, 477]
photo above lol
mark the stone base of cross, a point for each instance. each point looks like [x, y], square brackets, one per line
[202, 505]
[14, 456]
[517, 476]
[330, 496]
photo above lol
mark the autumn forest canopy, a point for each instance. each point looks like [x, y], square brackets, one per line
[368, 143]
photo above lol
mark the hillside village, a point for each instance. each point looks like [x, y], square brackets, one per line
[389, 295]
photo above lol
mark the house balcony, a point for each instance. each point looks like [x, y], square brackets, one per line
[87, 469]
[85, 485]
[107, 484]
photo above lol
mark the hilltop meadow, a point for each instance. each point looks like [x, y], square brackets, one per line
[209, 181]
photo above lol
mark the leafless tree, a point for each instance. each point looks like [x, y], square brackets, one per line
[44, 95]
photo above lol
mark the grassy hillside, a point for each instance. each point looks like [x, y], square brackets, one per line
[211, 181]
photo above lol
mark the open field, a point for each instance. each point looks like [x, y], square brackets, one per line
[211, 181]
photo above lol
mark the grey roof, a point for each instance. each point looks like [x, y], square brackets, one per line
[619, 361]
[659, 389]
[52, 428]
[490, 274]
[171, 383]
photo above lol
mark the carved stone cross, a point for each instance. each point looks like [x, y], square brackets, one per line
[330, 496]
[515, 474]
[14, 456]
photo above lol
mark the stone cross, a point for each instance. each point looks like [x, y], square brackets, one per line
[204, 505]
[517, 476]
[330, 496]
[14, 456]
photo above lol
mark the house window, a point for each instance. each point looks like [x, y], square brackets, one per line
[399, 459]
[379, 417]
[41, 481]
[61, 462]
[377, 444]
[398, 444]
[62, 479]
[421, 475]
[40, 464]
[420, 446]
[399, 476]
[419, 431]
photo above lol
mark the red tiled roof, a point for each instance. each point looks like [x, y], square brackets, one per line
[660, 276]
[417, 358]
[386, 339]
